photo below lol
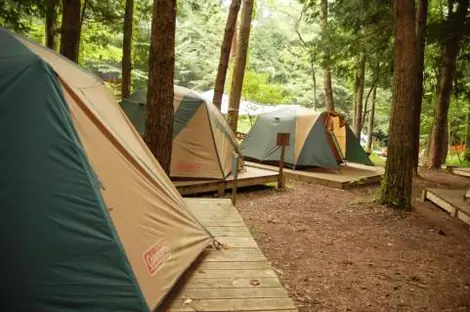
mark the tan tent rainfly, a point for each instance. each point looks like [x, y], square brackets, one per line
[203, 143]
[128, 262]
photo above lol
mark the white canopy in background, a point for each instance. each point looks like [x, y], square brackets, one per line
[246, 108]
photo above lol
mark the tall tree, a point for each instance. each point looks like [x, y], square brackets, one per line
[451, 45]
[160, 94]
[70, 39]
[420, 28]
[327, 87]
[370, 127]
[51, 24]
[397, 183]
[127, 50]
[225, 53]
[240, 64]
[359, 94]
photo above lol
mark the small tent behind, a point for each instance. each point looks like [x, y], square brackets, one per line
[316, 139]
[89, 220]
[203, 143]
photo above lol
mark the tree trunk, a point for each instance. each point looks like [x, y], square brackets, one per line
[51, 24]
[359, 94]
[225, 53]
[127, 50]
[240, 64]
[397, 181]
[466, 154]
[370, 127]
[328, 90]
[70, 39]
[438, 148]
[420, 28]
[314, 79]
[160, 94]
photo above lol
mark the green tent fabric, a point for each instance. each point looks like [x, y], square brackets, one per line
[313, 140]
[203, 143]
[68, 244]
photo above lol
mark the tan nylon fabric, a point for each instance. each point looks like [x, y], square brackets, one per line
[194, 151]
[146, 209]
[202, 149]
[340, 133]
[304, 123]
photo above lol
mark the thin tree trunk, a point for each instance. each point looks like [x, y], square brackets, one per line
[70, 39]
[127, 50]
[225, 53]
[439, 139]
[359, 94]
[160, 94]
[420, 28]
[370, 127]
[397, 181]
[51, 24]
[466, 154]
[327, 87]
[314, 80]
[240, 64]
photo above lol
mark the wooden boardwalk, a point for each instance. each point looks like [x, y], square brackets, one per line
[252, 176]
[461, 171]
[452, 201]
[235, 278]
[350, 175]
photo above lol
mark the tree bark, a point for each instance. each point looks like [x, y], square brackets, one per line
[314, 80]
[397, 181]
[451, 47]
[466, 154]
[127, 50]
[70, 39]
[327, 87]
[51, 24]
[359, 94]
[225, 53]
[420, 28]
[240, 64]
[160, 94]
[370, 127]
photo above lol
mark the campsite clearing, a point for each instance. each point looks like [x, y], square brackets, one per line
[238, 277]
[336, 250]
[347, 176]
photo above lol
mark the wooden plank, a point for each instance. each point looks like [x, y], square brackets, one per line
[452, 201]
[347, 176]
[267, 282]
[234, 274]
[236, 255]
[252, 176]
[235, 278]
[232, 293]
[228, 305]
[226, 231]
[251, 265]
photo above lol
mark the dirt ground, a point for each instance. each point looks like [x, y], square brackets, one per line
[335, 250]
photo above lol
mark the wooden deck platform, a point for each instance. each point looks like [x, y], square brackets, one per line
[252, 176]
[461, 171]
[452, 201]
[350, 175]
[236, 278]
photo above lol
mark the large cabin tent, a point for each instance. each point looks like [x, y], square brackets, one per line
[203, 143]
[316, 139]
[90, 222]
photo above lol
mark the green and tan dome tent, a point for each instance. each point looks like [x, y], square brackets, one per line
[89, 220]
[203, 143]
[316, 139]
